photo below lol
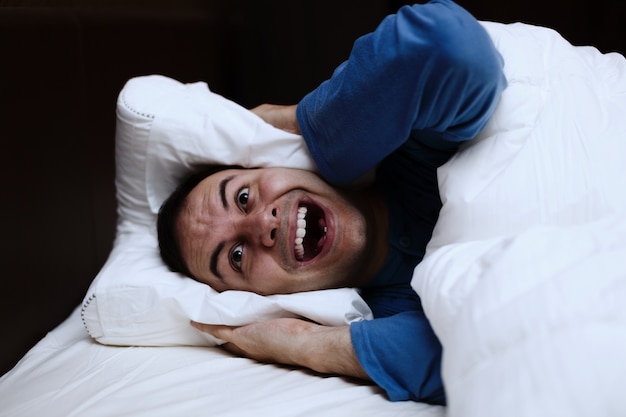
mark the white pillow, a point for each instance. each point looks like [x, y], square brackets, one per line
[164, 129]
[523, 280]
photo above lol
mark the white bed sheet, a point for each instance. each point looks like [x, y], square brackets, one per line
[69, 374]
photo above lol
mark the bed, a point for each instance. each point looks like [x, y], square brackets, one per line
[523, 281]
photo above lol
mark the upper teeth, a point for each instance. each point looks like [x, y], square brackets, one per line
[300, 232]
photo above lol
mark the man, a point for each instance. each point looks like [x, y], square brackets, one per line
[425, 80]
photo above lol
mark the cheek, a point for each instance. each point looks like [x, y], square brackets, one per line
[280, 182]
[266, 276]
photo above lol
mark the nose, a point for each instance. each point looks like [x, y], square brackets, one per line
[262, 226]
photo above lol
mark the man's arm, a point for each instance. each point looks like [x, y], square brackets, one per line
[430, 68]
[297, 342]
[404, 343]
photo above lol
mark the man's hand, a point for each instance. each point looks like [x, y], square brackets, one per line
[282, 117]
[297, 342]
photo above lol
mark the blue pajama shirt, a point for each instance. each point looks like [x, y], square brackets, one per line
[428, 78]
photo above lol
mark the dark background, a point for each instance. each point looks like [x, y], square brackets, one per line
[64, 62]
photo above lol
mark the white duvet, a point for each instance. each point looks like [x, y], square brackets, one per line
[525, 278]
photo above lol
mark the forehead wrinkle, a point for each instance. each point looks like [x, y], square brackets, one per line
[184, 227]
[197, 213]
[191, 230]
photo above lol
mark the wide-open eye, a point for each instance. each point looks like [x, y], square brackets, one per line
[236, 254]
[242, 198]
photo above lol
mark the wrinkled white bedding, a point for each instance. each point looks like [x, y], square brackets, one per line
[68, 374]
[525, 278]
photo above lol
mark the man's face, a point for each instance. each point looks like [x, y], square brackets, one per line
[272, 231]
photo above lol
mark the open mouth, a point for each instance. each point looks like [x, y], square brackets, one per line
[310, 232]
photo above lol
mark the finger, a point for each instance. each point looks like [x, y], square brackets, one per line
[216, 330]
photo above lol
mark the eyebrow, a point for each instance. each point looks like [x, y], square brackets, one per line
[218, 249]
[223, 185]
[214, 258]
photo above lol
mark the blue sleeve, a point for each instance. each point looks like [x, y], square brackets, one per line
[430, 68]
[402, 355]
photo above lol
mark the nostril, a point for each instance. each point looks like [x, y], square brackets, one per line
[274, 212]
[273, 234]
